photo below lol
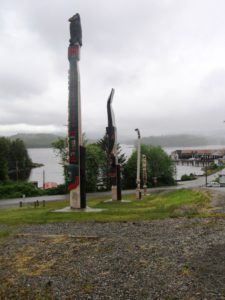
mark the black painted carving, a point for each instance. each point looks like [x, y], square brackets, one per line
[75, 30]
[114, 167]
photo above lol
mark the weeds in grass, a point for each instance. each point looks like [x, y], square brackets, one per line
[5, 233]
[180, 203]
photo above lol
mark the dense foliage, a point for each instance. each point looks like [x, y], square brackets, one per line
[160, 168]
[59, 190]
[19, 189]
[15, 163]
[103, 144]
[60, 146]
[97, 165]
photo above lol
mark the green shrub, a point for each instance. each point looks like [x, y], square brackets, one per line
[186, 177]
[17, 190]
[59, 190]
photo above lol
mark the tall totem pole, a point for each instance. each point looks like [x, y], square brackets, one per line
[114, 167]
[76, 167]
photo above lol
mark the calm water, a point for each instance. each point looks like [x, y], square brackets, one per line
[53, 171]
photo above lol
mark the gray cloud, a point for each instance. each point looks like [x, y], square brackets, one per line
[164, 58]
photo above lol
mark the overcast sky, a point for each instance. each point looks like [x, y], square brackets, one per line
[164, 58]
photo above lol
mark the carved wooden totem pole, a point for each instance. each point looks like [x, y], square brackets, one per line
[114, 167]
[76, 167]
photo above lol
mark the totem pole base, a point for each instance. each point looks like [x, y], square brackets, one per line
[118, 177]
[75, 199]
[138, 194]
[114, 193]
[74, 210]
[145, 190]
[82, 177]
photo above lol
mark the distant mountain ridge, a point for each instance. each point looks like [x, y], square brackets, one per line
[36, 140]
[183, 140]
[45, 140]
[176, 140]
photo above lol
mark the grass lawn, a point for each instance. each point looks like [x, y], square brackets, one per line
[156, 206]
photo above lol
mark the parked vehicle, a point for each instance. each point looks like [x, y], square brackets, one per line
[222, 179]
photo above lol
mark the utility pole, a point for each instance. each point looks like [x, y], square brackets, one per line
[206, 179]
[43, 179]
[138, 180]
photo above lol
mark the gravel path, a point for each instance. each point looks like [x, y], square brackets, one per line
[167, 259]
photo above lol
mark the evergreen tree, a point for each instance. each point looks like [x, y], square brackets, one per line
[96, 162]
[4, 159]
[15, 163]
[94, 167]
[61, 149]
[103, 143]
[20, 162]
[160, 168]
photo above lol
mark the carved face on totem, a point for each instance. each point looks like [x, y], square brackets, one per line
[75, 30]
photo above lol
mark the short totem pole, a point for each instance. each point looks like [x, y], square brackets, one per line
[114, 167]
[138, 179]
[76, 167]
[144, 173]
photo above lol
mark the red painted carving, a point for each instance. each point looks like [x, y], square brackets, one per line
[74, 51]
[75, 184]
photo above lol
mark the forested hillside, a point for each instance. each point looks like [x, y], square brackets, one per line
[183, 140]
[43, 140]
[38, 140]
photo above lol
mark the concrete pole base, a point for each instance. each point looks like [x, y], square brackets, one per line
[114, 193]
[145, 190]
[75, 198]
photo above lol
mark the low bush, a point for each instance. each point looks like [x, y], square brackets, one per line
[59, 190]
[186, 177]
[12, 190]
[17, 190]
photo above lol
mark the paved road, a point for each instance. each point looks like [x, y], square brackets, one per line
[16, 202]
[4, 203]
[200, 182]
